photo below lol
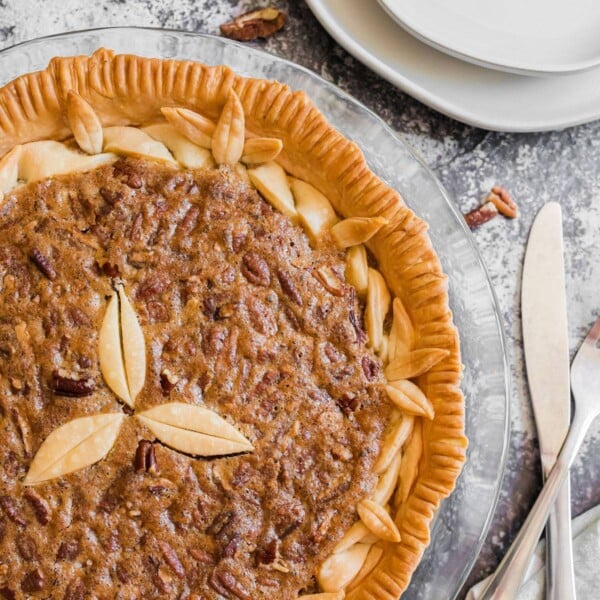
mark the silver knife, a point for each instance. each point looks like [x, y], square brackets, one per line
[545, 339]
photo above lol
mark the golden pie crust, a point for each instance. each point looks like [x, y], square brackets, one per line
[131, 90]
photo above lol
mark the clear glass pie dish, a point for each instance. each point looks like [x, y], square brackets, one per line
[461, 524]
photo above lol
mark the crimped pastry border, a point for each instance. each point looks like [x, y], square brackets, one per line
[125, 89]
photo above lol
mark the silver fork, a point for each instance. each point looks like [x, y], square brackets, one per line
[585, 385]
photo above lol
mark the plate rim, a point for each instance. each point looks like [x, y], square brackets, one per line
[530, 69]
[418, 158]
[431, 99]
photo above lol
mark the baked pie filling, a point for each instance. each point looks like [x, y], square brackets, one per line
[207, 388]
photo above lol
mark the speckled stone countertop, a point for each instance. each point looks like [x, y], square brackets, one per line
[562, 166]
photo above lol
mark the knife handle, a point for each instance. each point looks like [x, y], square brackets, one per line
[560, 573]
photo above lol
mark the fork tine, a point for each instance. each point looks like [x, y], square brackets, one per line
[587, 359]
[594, 335]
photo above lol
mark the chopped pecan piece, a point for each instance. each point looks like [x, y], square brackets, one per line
[361, 336]
[261, 316]
[157, 312]
[224, 581]
[145, 457]
[238, 239]
[232, 546]
[12, 465]
[254, 24]
[172, 559]
[152, 286]
[43, 264]
[27, 548]
[189, 221]
[134, 181]
[110, 270]
[22, 425]
[75, 590]
[503, 201]
[482, 214]
[330, 281]
[12, 511]
[7, 593]
[370, 368]
[348, 403]
[167, 381]
[220, 522]
[68, 550]
[255, 269]
[33, 581]
[201, 556]
[288, 287]
[79, 317]
[41, 508]
[74, 388]
[267, 554]
[123, 573]
[111, 196]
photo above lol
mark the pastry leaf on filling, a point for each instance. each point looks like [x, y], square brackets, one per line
[77, 444]
[194, 430]
[121, 349]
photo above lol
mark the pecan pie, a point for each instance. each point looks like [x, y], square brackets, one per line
[228, 367]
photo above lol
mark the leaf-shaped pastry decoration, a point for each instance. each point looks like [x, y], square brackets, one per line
[410, 463]
[187, 154]
[383, 350]
[121, 349]
[260, 150]
[241, 170]
[134, 346]
[377, 520]
[412, 364]
[387, 481]
[357, 269]
[44, 159]
[196, 128]
[356, 230]
[9, 170]
[131, 141]
[393, 442]
[325, 596]
[110, 353]
[409, 398]
[84, 123]
[378, 304]
[75, 445]
[194, 430]
[314, 210]
[401, 333]
[374, 556]
[229, 135]
[357, 533]
[341, 568]
[271, 181]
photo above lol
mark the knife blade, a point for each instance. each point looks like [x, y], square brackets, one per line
[545, 341]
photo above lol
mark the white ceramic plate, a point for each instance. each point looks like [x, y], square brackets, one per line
[466, 92]
[522, 36]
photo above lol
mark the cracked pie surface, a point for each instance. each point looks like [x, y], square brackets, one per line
[228, 368]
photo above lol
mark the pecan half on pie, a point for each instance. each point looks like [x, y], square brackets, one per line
[228, 368]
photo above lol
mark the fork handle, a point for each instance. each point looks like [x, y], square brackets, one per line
[560, 573]
[505, 583]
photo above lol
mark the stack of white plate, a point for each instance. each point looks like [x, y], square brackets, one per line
[507, 65]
